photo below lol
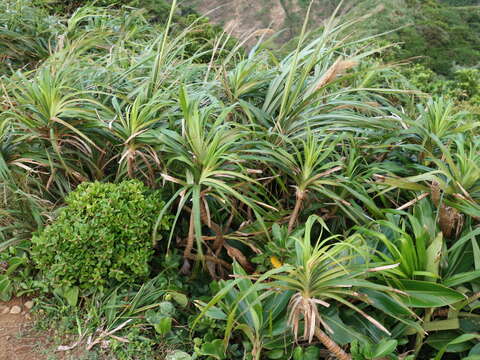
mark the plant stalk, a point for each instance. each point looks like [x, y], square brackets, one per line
[421, 335]
[191, 237]
[331, 345]
[296, 210]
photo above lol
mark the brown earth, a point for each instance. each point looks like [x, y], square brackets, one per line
[244, 17]
[18, 339]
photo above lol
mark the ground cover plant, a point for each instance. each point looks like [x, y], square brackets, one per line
[166, 200]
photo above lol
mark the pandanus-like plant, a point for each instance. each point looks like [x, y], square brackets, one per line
[309, 165]
[451, 181]
[204, 162]
[438, 119]
[135, 126]
[325, 273]
[59, 122]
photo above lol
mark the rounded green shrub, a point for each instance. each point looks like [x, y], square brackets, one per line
[101, 237]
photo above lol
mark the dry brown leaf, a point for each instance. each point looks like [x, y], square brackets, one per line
[338, 67]
[236, 254]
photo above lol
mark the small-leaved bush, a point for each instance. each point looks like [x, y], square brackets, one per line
[101, 237]
[462, 86]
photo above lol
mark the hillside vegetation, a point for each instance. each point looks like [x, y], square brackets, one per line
[442, 33]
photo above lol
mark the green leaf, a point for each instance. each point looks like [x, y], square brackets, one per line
[180, 299]
[476, 253]
[311, 353]
[386, 303]
[470, 324]
[164, 325]
[425, 294]
[384, 348]
[474, 350]
[214, 348]
[342, 333]
[216, 313]
[434, 255]
[276, 354]
[6, 288]
[438, 340]
[461, 278]
[166, 308]
[71, 295]
[298, 353]
[178, 355]
[277, 232]
[152, 317]
[458, 340]
[14, 263]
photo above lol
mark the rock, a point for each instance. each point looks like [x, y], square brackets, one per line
[27, 316]
[15, 310]
[28, 304]
[6, 310]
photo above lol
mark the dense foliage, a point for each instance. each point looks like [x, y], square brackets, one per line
[461, 2]
[101, 236]
[319, 204]
[440, 35]
[428, 32]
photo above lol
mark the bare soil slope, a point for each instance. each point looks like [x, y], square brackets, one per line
[243, 17]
